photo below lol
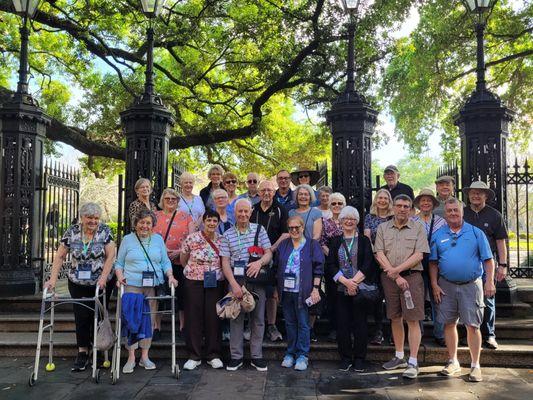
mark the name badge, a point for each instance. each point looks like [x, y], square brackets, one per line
[289, 281]
[239, 267]
[84, 272]
[210, 279]
[148, 279]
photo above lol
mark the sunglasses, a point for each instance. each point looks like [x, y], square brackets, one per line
[303, 176]
[170, 198]
[252, 181]
[294, 228]
[454, 240]
[230, 182]
[337, 204]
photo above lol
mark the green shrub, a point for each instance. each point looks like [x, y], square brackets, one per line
[114, 228]
[512, 235]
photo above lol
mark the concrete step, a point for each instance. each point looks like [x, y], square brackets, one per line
[506, 328]
[517, 353]
[525, 290]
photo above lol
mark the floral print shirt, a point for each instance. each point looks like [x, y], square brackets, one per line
[330, 228]
[92, 253]
[372, 222]
[202, 256]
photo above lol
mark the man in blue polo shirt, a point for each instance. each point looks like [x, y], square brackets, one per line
[459, 252]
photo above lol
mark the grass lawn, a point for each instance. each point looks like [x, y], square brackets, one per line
[513, 244]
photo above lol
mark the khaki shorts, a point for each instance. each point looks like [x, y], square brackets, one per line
[395, 299]
[461, 302]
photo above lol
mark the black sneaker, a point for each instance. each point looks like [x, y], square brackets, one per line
[234, 365]
[345, 365]
[259, 364]
[156, 336]
[82, 359]
[314, 339]
[359, 365]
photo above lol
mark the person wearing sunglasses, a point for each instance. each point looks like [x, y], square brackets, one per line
[252, 184]
[173, 225]
[460, 254]
[231, 182]
[307, 176]
[300, 268]
[331, 228]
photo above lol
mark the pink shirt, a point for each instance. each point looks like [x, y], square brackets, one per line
[178, 231]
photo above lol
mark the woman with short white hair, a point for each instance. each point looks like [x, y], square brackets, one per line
[92, 252]
[188, 202]
[350, 262]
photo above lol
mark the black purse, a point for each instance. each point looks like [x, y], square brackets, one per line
[371, 295]
[267, 274]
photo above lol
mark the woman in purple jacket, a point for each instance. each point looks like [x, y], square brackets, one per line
[300, 268]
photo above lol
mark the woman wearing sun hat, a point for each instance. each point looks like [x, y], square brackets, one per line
[306, 176]
[426, 202]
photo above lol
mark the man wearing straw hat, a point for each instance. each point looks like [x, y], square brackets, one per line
[490, 221]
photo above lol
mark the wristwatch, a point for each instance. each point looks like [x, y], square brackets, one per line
[316, 286]
[504, 265]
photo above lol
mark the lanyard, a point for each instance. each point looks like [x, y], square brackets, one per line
[348, 249]
[86, 245]
[187, 204]
[146, 251]
[290, 261]
[239, 238]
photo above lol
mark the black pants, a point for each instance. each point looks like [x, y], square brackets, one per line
[351, 319]
[202, 320]
[331, 300]
[84, 317]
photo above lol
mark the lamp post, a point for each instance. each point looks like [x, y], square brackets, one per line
[483, 123]
[352, 122]
[22, 131]
[146, 125]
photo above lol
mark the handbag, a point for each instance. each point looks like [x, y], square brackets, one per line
[365, 291]
[267, 274]
[105, 335]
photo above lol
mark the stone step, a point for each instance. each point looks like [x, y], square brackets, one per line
[511, 353]
[506, 328]
[525, 290]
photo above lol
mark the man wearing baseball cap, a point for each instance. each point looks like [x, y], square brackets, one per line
[490, 221]
[445, 186]
[394, 186]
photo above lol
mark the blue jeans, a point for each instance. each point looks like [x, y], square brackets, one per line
[488, 327]
[296, 325]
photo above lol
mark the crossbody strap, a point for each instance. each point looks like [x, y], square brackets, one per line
[147, 256]
[170, 225]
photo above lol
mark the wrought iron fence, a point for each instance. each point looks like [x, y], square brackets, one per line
[61, 199]
[177, 170]
[519, 217]
[322, 169]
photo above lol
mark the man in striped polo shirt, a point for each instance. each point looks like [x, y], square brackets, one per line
[236, 248]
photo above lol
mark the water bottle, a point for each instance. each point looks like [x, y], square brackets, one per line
[408, 300]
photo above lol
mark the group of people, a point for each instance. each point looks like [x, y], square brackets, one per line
[284, 246]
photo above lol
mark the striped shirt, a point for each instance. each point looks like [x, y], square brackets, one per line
[235, 244]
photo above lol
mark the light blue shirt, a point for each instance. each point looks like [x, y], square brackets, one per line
[133, 261]
[460, 255]
[309, 217]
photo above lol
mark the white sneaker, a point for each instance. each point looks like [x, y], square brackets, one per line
[128, 367]
[192, 364]
[216, 363]
[147, 364]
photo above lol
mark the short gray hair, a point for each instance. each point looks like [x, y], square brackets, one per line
[326, 189]
[337, 196]
[453, 200]
[305, 187]
[242, 200]
[90, 209]
[349, 212]
[403, 197]
[215, 167]
[140, 181]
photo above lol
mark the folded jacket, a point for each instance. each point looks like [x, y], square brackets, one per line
[136, 321]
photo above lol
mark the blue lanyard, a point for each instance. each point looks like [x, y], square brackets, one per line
[290, 261]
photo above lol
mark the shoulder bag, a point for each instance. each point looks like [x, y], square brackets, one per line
[266, 275]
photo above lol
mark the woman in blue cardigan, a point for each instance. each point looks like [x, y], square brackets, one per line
[300, 268]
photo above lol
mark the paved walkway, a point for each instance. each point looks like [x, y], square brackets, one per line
[321, 381]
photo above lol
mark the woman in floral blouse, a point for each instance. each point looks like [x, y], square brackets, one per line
[200, 256]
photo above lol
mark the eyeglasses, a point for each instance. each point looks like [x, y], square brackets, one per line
[284, 178]
[266, 191]
[252, 181]
[303, 176]
[337, 204]
[454, 240]
[349, 219]
[294, 228]
[170, 198]
[230, 182]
